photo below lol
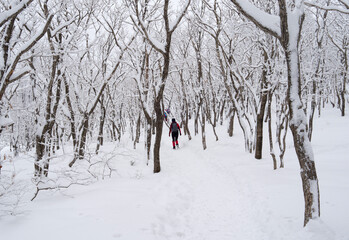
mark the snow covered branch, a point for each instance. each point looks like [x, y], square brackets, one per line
[26, 48]
[267, 22]
[160, 47]
[6, 15]
[63, 25]
[331, 7]
[38, 189]
[101, 90]
[178, 20]
[18, 75]
[345, 3]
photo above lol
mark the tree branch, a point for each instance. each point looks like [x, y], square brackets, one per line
[267, 22]
[26, 49]
[6, 15]
[180, 17]
[329, 8]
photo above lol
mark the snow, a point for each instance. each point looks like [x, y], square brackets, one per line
[268, 21]
[157, 44]
[314, 190]
[333, 7]
[63, 25]
[180, 15]
[220, 193]
[20, 72]
[5, 121]
[14, 9]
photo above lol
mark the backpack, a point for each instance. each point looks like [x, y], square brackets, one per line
[174, 127]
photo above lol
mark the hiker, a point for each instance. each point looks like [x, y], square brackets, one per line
[174, 127]
[165, 116]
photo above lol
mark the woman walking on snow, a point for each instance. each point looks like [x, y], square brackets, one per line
[174, 127]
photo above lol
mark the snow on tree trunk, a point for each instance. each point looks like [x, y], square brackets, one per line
[287, 28]
[291, 25]
[301, 139]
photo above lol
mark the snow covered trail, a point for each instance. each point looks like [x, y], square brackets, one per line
[206, 198]
[203, 198]
[221, 193]
[196, 196]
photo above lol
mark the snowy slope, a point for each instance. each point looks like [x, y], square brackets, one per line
[217, 194]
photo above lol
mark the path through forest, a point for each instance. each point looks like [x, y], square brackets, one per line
[204, 199]
[220, 193]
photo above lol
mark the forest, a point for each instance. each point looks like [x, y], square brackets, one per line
[77, 75]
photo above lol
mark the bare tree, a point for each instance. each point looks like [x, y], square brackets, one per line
[17, 40]
[44, 142]
[235, 76]
[341, 7]
[339, 37]
[97, 79]
[164, 50]
[287, 28]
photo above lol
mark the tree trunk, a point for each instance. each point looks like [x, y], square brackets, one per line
[215, 133]
[158, 109]
[259, 130]
[39, 150]
[158, 135]
[231, 124]
[271, 145]
[83, 138]
[148, 141]
[101, 126]
[312, 110]
[71, 111]
[203, 132]
[282, 144]
[186, 108]
[343, 91]
[301, 141]
[222, 112]
[138, 131]
[196, 121]
[44, 141]
[298, 121]
[281, 130]
[260, 115]
[80, 149]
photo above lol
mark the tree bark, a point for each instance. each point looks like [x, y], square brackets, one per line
[203, 132]
[71, 111]
[344, 83]
[298, 121]
[138, 131]
[298, 124]
[260, 115]
[101, 126]
[270, 131]
[231, 124]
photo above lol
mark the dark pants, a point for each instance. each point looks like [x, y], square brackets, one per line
[175, 136]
